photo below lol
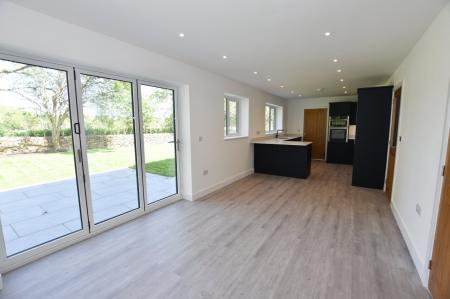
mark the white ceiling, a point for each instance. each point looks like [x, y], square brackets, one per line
[280, 39]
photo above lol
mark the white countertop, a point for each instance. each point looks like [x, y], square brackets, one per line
[277, 141]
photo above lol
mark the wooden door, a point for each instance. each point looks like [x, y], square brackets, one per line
[393, 142]
[315, 130]
[439, 282]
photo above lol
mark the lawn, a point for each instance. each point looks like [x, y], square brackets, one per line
[29, 169]
[164, 167]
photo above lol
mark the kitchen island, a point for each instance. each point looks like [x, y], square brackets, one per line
[285, 157]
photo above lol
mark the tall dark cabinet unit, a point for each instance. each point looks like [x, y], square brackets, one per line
[372, 134]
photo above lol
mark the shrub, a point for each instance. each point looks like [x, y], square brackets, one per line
[67, 132]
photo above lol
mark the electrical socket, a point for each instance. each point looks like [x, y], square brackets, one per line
[418, 209]
[205, 172]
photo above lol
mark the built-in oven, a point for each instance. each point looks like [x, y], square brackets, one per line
[339, 121]
[338, 129]
[338, 135]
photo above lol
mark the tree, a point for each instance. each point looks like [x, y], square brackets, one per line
[16, 122]
[109, 103]
[44, 88]
[157, 108]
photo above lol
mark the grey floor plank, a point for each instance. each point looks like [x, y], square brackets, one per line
[261, 237]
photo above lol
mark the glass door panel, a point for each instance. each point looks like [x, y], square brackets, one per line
[39, 197]
[159, 140]
[109, 129]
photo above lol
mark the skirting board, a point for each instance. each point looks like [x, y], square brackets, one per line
[218, 186]
[417, 260]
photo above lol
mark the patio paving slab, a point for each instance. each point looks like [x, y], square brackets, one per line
[37, 214]
[38, 238]
[19, 215]
[73, 225]
[47, 220]
[8, 233]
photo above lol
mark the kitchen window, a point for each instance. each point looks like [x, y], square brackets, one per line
[273, 118]
[235, 117]
[231, 109]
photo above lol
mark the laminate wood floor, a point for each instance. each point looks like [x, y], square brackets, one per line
[261, 237]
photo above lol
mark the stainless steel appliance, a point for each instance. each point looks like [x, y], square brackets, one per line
[338, 128]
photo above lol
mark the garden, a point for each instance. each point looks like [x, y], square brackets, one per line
[36, 144]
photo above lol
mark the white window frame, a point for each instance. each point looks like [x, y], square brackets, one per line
[227, 100]
[177, 195]
[275, 121]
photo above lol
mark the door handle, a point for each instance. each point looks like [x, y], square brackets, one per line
[177, 144]
[80, 156]
[76, 128]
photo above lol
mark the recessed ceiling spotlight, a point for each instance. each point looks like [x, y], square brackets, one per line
[344, 87]
[224, 57]
[339, 71]
[292, 92]
[342, 80]
[345, 92]
[268, 79]
[327, 33]
[320, 89]
[255, 73]
[299, 95]
[335, 60]
[181, 34]
[282, 86]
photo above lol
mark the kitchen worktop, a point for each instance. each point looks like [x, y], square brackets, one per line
[280, 141]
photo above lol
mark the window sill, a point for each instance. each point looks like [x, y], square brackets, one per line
[234, 137]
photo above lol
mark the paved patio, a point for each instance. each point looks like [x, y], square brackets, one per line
[34, 215]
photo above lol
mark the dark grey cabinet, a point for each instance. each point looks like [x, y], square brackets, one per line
[285, 160]
[340, 152]
[343, 109]
[353, 110]
[372, 134]
[340, 109]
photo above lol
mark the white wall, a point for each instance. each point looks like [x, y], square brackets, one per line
[201, 92]
[425, 75]
[296, 108]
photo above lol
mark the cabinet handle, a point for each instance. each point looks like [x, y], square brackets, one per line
[348, 125]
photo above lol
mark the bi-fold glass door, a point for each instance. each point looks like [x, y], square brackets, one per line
[159, 141]
[110, 139]
[42, 197]
[79, 151]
